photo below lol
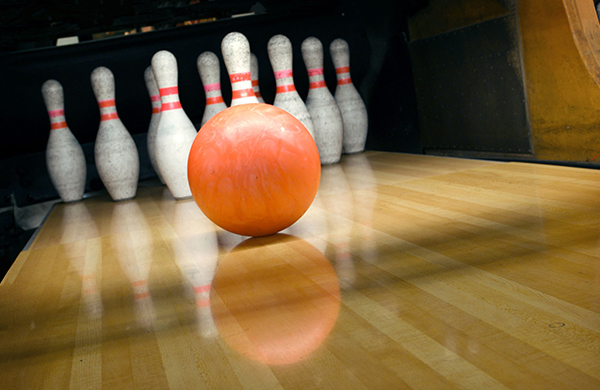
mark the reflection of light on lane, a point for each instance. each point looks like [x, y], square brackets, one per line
[275, 299]
[132, 239]
[194, 244]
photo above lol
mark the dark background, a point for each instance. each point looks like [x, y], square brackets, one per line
[380, 69]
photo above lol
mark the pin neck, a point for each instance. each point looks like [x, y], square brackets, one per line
[281, 74]
[286, 88]
[55, 113]
[58, 125]
[343, 75]
[316, 78]
[214, 100]
[342, 69]
[241, 85]
[57, 119]
[317, 84]
[169, 91]
[107, 110]
[106, 103]
[213, 93]
[170, 106]
[212, 87]
[239, 77]
[155, 99]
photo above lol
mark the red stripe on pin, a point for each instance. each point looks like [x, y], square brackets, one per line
[214, 100]
[156, 110]
[343, 81]
[170, 106]
[286, 88]
[55, 113]
[108, 117]
[169, 91]
[257, 93]
[58, 125]
[283, 74]
[212, 87]
[342, 69]
[155, 98]
[255, 83]
[317, 84]
[242, 93]
[106, 103]
[237, 77]
[315, 71]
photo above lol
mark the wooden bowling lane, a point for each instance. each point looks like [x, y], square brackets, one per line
[408, 272]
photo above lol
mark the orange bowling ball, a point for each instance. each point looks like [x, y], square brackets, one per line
[254, 169]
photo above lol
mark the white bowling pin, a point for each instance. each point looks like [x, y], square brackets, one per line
[151, 138]
[175, 133]
[286, 96]
[210, 74]
[64, 156]
[324, 111]
[115, 152]
[254, 77]
[236, 55]
[354, 111]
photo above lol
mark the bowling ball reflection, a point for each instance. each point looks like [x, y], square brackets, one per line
[254, 169]
[275, 299]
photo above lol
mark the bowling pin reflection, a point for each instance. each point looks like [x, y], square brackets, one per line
[342, 215]
[360, 177]
[83, 247]
[194, 244]
[132, 240]
[337, 200]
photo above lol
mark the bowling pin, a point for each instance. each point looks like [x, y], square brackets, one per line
[286, 96]
[210, 74]
[254, 77]
[64, 156]
[352, 107]
[175, 133]
[155, 99]
[115, 152]
[236, 55]
[324, 111]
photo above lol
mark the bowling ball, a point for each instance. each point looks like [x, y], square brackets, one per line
[254, 169]
[275, 299]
